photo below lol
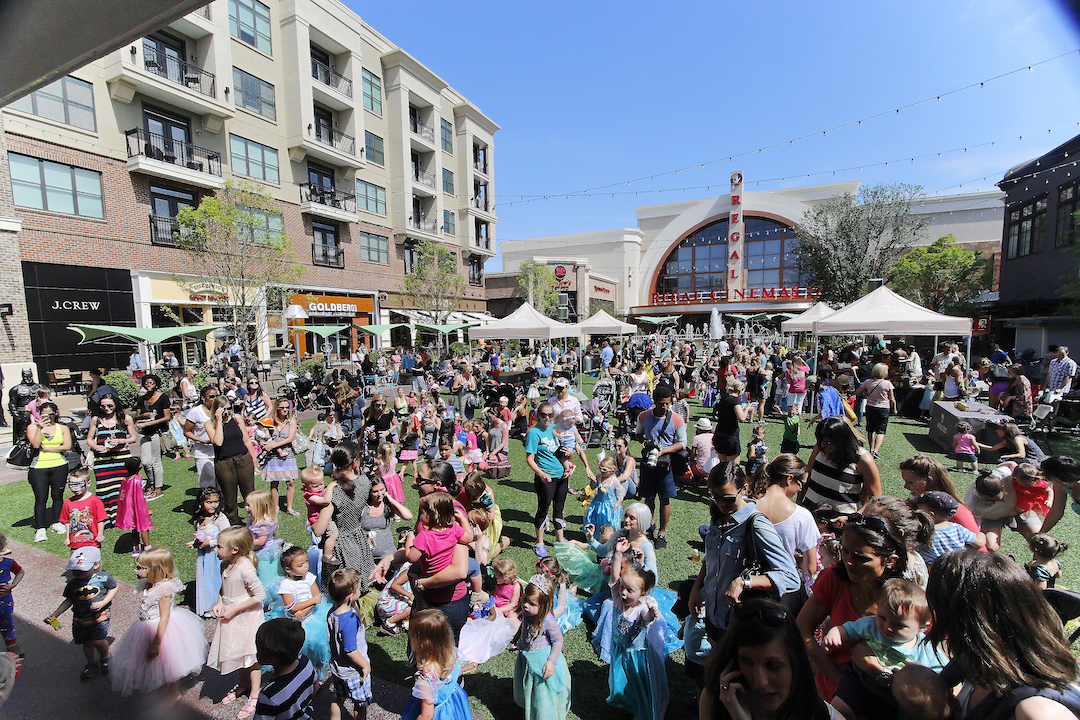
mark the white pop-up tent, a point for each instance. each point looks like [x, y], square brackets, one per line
[603, 324]
[883, 312]
[525, 323]
[805, 321]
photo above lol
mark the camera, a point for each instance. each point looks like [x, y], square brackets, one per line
[650, 453]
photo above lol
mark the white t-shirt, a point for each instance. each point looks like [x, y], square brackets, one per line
[300, 590]
[798, 532]
[199, 417]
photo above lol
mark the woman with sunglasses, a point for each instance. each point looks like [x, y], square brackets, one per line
[257, 403]
[195, 420]
[49, 470]
[872, 551]
[155, 412]
[841, 473]
[743, 553]
[281, 463]
[760, 670]
[549, 476]
[110, 437]
[234, 456]
[379, 425]
[1009, 653]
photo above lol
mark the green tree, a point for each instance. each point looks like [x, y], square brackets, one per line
[941, 276]
[434, 283]
[537, 282]
[850, 239]
[235, 240]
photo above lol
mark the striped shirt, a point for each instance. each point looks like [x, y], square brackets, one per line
[833, 486]
[947, 537]
[1060, 371]
[287, 697]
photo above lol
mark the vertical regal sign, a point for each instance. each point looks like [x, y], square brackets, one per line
[736, 280]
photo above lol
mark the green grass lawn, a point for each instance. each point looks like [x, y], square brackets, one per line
[490, 688]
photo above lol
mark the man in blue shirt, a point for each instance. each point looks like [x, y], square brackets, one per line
[549, 481]
[606, 356]
[666, 431]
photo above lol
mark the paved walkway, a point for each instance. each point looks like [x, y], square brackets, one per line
[49, 686]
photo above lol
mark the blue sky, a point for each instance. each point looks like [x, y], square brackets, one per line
[593, 94]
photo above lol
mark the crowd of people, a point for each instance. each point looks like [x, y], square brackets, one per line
[817, 595]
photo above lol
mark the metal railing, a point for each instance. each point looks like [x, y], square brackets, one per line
[177, 71]
[480, 203]
[330, 197]
[480, 166]
[419, 128]
[204, 11]
[335, 139]
[328, 255]
[141, 143]
[482, 241]
[423, 223]
[424, 178]
[331, 78]
[165, 231]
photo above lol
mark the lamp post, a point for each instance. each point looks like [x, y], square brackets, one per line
[295, 312]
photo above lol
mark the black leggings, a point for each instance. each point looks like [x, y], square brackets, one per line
[550, 494]
[46, 481]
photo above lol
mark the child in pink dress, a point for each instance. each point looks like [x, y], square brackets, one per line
[965, 447]
[132, 512]
[432, 549]
[473, 455]
[387, 472]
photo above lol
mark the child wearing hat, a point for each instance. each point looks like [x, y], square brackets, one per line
[702, 455]
[89, 593]
[948, 536]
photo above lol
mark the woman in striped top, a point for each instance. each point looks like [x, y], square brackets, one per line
[111, 435]
[842, 474]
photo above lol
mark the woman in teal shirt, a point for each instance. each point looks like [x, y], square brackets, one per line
[549, 481]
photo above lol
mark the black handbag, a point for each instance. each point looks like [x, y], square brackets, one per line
[793, 601]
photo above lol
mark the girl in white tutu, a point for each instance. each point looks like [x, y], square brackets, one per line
[167, 643]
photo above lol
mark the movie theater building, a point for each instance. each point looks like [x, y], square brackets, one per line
[734, 253]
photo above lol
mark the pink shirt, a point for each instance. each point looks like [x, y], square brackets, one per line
[877, 392]
[703, 449]
[437, 547]
[504, 594]
[312, 510]
[965, 445]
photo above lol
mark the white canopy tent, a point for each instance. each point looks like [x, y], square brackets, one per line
[603, 324]
[525, 323]
[805, 321]
[883, 312]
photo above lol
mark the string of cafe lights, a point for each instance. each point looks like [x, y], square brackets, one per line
[791, 141]
[799, 176]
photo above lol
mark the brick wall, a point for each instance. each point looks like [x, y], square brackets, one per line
[14, 328]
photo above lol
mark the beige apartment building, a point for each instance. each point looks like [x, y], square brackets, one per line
[366, 151]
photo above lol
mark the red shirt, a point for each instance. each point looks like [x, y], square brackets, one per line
[835, 594]
[82, 518]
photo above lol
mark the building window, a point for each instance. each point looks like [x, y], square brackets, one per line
[476, 270]
[68, 100]
[372, 91]
[254, 94]
[249, 21]
[374, 248]
[373, 148]
[261, 226]
[254, 160]
[370, 197]
[412, 255]
[482, 238]
[1025, 231]
[448, 225]
[55, 187]
[1068, 204]
[448, 136]
[448, 181]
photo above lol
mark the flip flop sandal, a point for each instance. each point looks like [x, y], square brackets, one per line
[248, 710]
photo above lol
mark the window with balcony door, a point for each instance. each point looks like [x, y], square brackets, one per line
[480, 200]
[476, 270]
[166, 203]
[169, 136]
[480, 159]
[325, 250]
[482, 239]
[324, 125]
[321, 184]
[165, 55]
[412, 256]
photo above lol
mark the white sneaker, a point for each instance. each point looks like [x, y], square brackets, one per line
[58, 528]
[41, 535]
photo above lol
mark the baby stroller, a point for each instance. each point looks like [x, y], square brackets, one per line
[597, 431]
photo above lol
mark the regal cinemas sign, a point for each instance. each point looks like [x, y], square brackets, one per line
[736, 295]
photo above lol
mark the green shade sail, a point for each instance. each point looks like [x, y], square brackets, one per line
[373, 329]
[445, 328]
[323, 331]
[91, 333]
[657, 320]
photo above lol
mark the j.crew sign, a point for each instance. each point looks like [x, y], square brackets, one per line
[75, 305]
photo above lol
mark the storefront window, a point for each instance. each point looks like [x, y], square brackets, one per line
[699, 263]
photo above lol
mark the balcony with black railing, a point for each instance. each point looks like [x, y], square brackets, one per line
[424, 131]
[481, 203]
[177, 71]
[328, 255]
[336, 139]
[330, 197]
[331, 78]
[423, 223]
[480, 166]
[185, 161]
[164, 231]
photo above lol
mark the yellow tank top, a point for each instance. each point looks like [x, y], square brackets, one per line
[50, 456]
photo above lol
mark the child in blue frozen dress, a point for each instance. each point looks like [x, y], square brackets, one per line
[541, 677]
[605, 507]
[437, 694]
[637, 679]
[209, 521]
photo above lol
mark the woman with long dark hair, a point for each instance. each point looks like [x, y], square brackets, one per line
[49, 469]
[841, 473]
[760, 670]
[349, 492]
[1009, 652]
[155, 412]
[110, 437]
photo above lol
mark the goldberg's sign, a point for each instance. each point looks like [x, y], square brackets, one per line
[721, 295]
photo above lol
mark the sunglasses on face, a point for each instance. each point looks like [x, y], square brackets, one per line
[723, 499]
[547, 415]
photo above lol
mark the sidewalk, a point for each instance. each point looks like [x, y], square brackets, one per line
[49, 686]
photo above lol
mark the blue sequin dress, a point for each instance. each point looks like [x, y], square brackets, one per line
[637, 679]
[450, 700]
